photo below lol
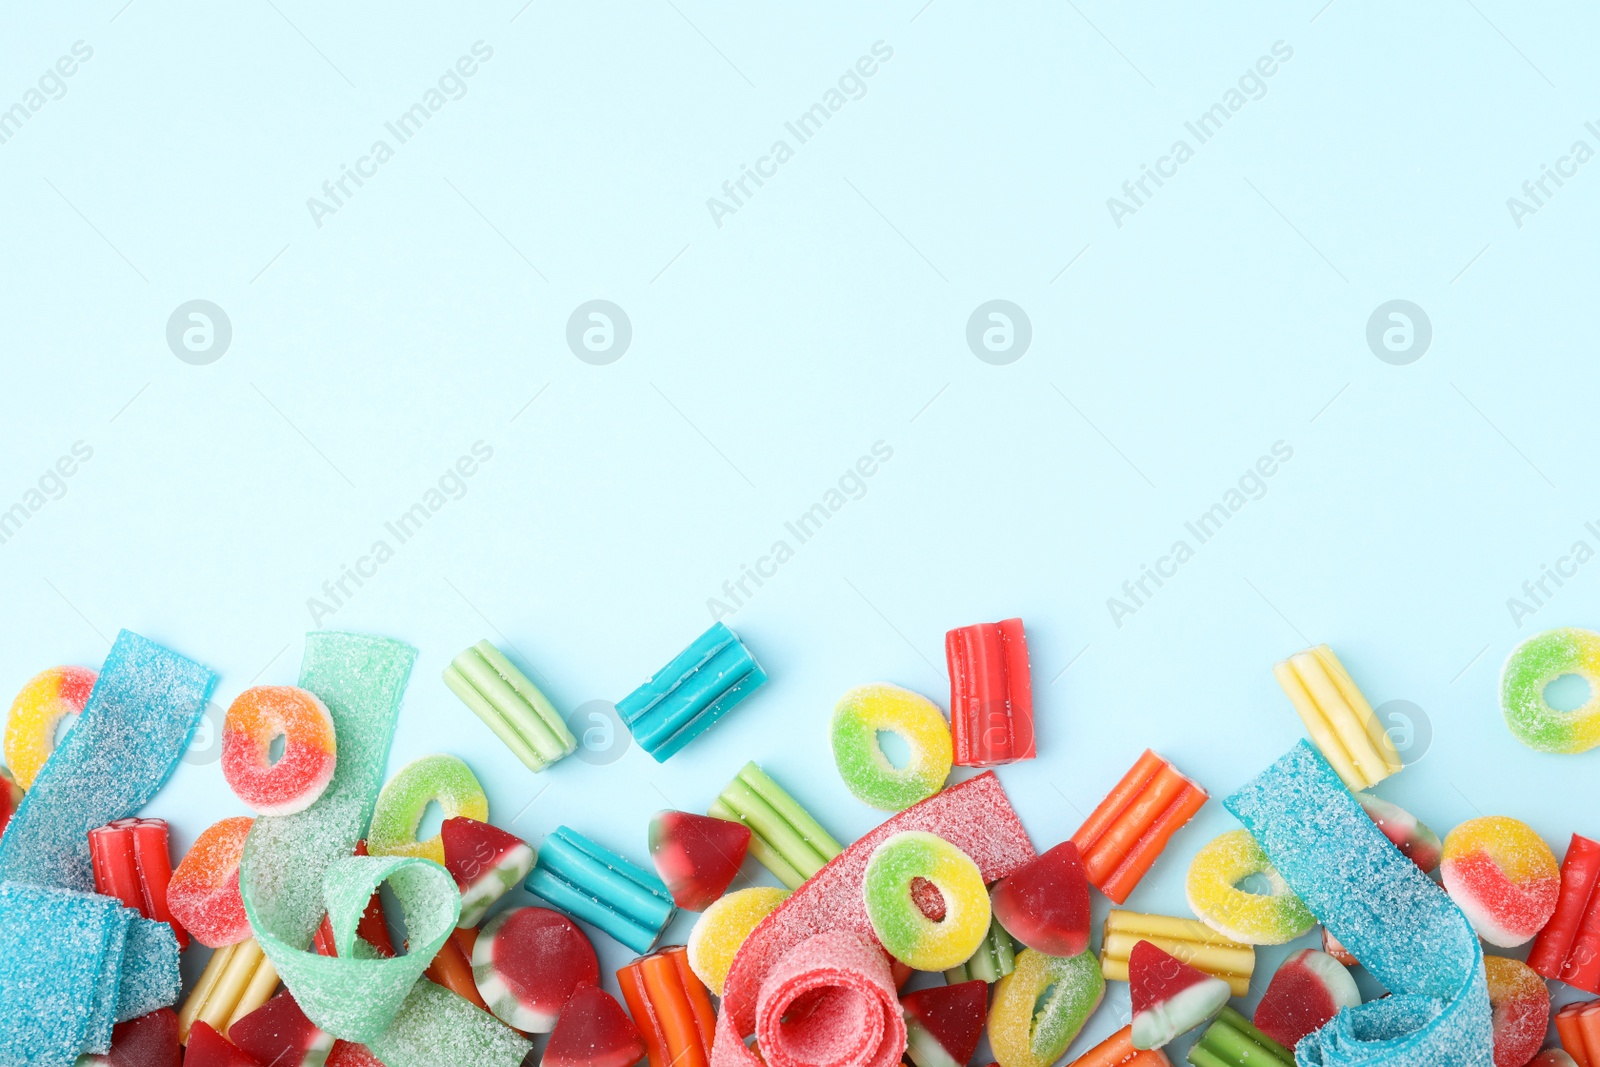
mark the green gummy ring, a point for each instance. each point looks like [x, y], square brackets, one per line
[905, 931]
[867, 773]
[1534, 664]
[405, 797]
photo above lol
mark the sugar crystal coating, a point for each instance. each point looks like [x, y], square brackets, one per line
[126, 744]
[722, 929]
[902, 923]
[1391, 916]
[204, 891]
[1025, 1033]
[1533, 665]
[441, 777]
[860, 716]
[974, 816]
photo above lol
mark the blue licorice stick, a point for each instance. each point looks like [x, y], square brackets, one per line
[1402, 927]
[686, 697]
[125, 745]
[601, 888]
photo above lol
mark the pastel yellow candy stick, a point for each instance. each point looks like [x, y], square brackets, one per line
[1189, 940]
[1338, 717]
[237, 981]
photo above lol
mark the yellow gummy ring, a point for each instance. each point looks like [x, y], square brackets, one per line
[49, 697]
[860, 716]
[1273, 918]
[899, 920]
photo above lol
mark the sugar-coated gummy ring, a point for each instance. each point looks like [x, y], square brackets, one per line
[1534, 664]
[904, 928]
[1252, 918]
[1502, 874]
[405, 797]
[203, 894]
[49, 697]
[860, 715]
[300, 775]
[723, 927]
[1025, 1033]
[1520, 1005]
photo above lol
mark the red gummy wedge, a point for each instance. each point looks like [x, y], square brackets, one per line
[148, 1041]
[207, 1048]
[1169, 996]
[1308, 989]
[351, 1054]
[1045, 904]
[527, 962]
[943, 1023]
[278, 1033]
[593, 1031]
[974, 816]
[696, 855]
[485, 861]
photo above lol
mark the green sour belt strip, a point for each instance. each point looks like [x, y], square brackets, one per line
[287, 859]
[1231, 1041]
[784, 837]
[510, 705]
[996, 957]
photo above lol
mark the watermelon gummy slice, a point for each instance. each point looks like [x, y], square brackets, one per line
[1308, 989]
[696, 856]
[278, 1033]
[485, 861]
[1169, 996]
[943, 1023]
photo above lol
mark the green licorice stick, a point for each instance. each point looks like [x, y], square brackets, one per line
[816, 837]
[503, 728]
[510, 704]
[995, 958]
[544, 727]
[781, 829]
[765, 854]
[1231, 1041]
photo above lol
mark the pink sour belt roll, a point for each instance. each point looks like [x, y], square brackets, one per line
[830, 1002]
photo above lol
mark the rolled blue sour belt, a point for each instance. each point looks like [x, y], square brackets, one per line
[596, 885]
[136, 725]
[686, 697]
[1402, 927]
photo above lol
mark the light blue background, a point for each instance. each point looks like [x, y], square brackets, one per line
[828, 313]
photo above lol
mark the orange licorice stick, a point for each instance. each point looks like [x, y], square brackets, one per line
[1118, 1051]
[452, 968]
[1589, 1026]
[1131, 785]
[1123, 836]
[670, 1007]
[1143, 855]
[1570, 1031]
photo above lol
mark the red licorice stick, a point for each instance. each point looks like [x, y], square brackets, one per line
[111, 855]
[131, 862]
[991, 694]
[152, 855]
[1568, 948]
